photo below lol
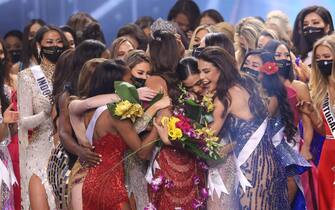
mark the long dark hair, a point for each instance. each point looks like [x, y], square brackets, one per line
[135, 32]
[220, 40]
[187, 7]
[271, 47]
[3, 97]
[85, 51]
[298, 39]
[28, 48]
[164, 54]
[104, 76]
[213, 14]
[40, 34]
[275, 87]
[186, 67]
[229, 77]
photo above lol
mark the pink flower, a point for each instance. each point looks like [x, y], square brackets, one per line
[168, 184]
[156, 183]
[269, 68]
[197, 203]
[196, 180]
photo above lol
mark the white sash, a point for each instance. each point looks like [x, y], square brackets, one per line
[7, 175]
[42, 81]
[247, 150]
[152, 166]
[329, 115]
[215, 183]
[276, 139]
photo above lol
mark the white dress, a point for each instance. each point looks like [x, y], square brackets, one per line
[34, 110]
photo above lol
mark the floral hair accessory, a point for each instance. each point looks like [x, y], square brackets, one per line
[269, 68]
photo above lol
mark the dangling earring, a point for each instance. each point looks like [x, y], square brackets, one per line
[39, 53]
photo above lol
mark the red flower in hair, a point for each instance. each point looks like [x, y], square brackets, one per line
[269, 68]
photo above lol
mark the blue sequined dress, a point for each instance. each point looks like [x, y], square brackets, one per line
[293, 162]
[263, 168]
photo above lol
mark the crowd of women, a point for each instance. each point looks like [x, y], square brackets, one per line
[272, 89]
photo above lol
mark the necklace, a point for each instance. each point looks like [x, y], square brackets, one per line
[48, 69]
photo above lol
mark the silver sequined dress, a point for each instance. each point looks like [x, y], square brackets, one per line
[34, 111]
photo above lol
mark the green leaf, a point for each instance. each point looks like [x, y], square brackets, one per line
[193, 110]
[126, 91]
[156, 98]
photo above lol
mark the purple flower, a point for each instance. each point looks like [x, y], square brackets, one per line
[196, 180]
[197, 203]
[150, 206]
[168, 183]
[203, 165]
[156, 183]
[204, 193]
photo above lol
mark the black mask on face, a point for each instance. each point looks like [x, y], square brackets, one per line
[138, 82]
[312, 34]
[285, 67]
[15, 55]
[325, 67]
[251, 72]
[52, 53]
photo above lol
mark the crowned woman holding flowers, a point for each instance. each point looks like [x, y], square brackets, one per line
[240, 117]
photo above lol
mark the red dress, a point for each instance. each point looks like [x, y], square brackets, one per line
[326, 174]
[13, 149]
[180, 167]
[104, 185]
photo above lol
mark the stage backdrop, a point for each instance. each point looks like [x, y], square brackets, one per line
[112, 14]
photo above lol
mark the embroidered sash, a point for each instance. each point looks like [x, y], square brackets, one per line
[247, 150]
[278, 137]
[329, 115]
[42, 82]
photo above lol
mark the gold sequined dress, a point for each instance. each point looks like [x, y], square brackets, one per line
[34, 110]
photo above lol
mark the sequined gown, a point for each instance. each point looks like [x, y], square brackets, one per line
[181, 168]
[34, 111]
[262, 169]
[104, 185]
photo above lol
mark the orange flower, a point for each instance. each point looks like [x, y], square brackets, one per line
[269, 68]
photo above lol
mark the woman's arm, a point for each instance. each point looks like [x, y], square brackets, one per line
[66, 135]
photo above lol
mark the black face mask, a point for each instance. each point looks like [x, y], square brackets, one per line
[251, 72]
[196, 51]
[138, 82]
[325, 67]
[52, 53]
[285, 67]
[312, 34]
[15, 55]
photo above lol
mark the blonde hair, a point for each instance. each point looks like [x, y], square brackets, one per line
[225, 28]
[199, 28]
[318, 82]
[116, 45]
[250, 28]
[86, 74]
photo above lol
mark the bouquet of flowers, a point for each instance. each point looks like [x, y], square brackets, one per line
[129, 107]
[192, 136]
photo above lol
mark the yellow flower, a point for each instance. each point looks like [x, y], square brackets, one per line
[122, 107]
[207, 101]
[174, 133]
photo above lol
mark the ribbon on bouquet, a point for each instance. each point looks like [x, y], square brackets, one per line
[215, 183]
[278, 137]
[7, 175]
[247, 150]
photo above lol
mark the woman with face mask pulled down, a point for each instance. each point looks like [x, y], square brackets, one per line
[35, 105]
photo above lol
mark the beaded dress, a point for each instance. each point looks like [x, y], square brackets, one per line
[35, 110]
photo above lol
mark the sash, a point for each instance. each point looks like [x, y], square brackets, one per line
[91, 124]
[152, 166]
[42, 82]
[215, 183]
[278, 137]
[7, 175]
[329, 115]
[247, 150]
